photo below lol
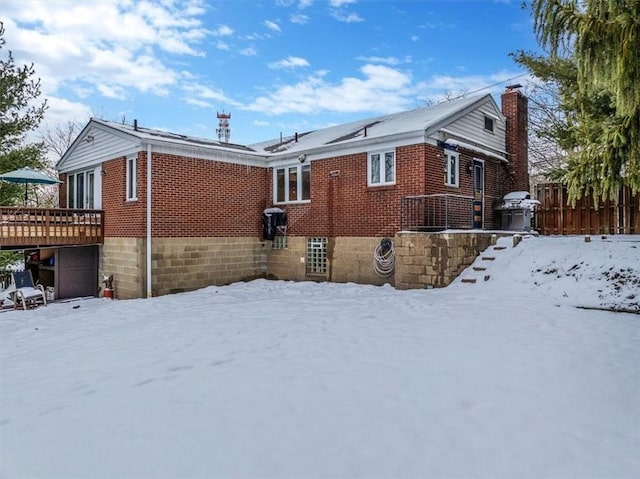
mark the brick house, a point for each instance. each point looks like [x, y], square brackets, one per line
[199, 203]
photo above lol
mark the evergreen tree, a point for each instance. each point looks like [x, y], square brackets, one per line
[602, 39]
[19, 115]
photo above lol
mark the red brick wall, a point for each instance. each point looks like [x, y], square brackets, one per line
[195, 197]
[343, 205]
[494, 174]
[191, 197]
[123, 218]
[515, 108]
[62, 191]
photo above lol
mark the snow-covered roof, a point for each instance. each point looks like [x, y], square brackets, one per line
[412, 126]
[418, 120]
[151, 134]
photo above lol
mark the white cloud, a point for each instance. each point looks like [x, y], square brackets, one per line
[197, 102]
[415, 38]
[201, 95]
[248, 52]
[379, 89]
[220, 45]
[114, 47]
[261, 123]
[346, 17]
[289, 62]
[62, 110]
[385, 60]
[272, 26]
[390, 88]
[302, 4]
[439, 86]
[223, 31]
[339, 3]
[111, 91]
[299, 18]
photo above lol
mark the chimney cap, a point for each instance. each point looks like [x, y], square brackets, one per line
[515, 86]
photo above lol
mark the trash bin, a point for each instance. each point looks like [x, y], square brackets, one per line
[273, 220]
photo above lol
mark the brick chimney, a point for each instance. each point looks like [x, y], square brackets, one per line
[515, 107]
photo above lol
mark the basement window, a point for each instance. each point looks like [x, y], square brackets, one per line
[317, 256]
[279, 242]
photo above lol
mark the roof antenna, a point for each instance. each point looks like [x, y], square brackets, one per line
[135, 125]
[223, 131]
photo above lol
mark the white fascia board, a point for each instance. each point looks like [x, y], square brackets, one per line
[471, 144]
[349, 148]
[213, 154]
[90, 129]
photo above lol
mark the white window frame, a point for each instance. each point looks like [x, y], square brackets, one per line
[382, 177]
[299, 183]
[449, 168]
[87, 193]
[131, 181]
[493, 124]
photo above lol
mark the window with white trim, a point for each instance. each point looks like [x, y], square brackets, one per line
[488, 123]
[292, 184]
[132, 178]
[81, 190]
[381, 168]
[452, 168]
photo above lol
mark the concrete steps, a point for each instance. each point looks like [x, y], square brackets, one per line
[480, 269]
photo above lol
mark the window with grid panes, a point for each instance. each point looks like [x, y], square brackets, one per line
[317, 256]
[279, 242]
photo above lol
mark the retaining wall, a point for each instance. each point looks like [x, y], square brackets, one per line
[435, 259]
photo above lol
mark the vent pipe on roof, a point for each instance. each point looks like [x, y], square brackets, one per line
[365, 131]
[296, 137]
[135, 125]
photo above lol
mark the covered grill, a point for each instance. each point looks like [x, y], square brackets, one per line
[517, 208]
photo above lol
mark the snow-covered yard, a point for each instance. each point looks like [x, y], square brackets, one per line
[504, 378]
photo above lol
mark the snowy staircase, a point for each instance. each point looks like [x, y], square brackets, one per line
[486, 258]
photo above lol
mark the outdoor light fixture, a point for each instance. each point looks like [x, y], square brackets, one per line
[470, 168]
[89, 139]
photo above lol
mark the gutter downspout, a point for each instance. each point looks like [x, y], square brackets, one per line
[149, 293]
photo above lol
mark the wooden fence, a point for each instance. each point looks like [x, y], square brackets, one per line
[555, 217]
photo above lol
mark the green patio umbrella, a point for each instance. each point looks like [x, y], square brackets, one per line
[28, 175]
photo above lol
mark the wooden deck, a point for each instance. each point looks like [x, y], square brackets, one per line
[42, 227]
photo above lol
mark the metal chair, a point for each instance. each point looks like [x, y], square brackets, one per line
[27, 293]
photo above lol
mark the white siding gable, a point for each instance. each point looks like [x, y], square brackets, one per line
[471, 126]
[94, 145]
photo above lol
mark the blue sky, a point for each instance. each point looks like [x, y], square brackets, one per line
[275, 65]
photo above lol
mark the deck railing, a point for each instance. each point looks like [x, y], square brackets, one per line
[436, 212]
[49, 226]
